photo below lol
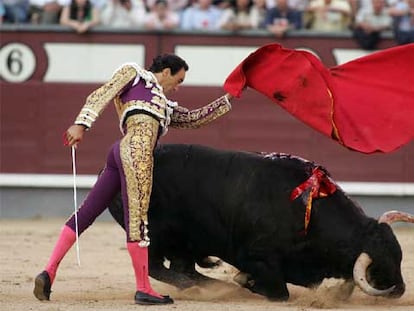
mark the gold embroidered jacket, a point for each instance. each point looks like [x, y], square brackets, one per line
[133, 88]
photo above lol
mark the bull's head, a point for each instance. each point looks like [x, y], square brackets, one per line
[381, 275]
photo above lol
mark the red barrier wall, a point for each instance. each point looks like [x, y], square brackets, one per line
[35, 112]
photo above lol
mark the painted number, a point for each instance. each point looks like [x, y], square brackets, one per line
[17, 62]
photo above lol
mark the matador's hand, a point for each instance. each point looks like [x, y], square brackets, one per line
[73, 135]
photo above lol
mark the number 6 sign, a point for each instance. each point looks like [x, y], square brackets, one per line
[17, 62]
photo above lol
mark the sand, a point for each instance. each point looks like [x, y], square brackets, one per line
[105, 281]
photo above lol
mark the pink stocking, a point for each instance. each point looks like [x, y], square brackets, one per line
[139, 257]
[66, 239]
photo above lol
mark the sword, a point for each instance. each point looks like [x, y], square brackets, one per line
[75, 203]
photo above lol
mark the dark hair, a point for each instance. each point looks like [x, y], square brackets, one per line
[80, 14]
[174, 62]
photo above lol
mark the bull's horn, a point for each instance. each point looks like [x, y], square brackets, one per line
[360, 271]
[393, 216]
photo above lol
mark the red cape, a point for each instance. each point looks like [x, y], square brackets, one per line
[366, 104]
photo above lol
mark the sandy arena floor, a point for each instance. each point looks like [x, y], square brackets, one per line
[105, 281]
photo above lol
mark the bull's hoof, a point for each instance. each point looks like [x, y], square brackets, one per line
[42, 287]
[147, 299]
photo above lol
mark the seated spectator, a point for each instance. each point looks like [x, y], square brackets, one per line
[161, 17]
[357, 5]
[80, 15]
[282, 18]
[46, 11]
[258, 13]
[202, 15]
[403, 21]
[123, 13]
[369, 23]
[15, 11]
[328, 15]
[237, 16]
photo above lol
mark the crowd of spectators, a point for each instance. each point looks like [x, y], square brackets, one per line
[367, 19]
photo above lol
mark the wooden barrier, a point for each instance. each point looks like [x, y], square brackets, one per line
[47, 72]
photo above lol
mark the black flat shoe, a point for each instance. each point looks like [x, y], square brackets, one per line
[147, 299]
[42, 286]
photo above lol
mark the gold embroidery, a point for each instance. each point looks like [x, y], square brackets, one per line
[99, 99]
[158, 106]
[136, 151]
[184, 118]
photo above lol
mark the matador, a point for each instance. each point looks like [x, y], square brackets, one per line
[144, 114]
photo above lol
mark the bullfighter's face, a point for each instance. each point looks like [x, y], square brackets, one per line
[170, 82]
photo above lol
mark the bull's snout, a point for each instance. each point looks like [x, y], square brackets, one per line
[398, 291]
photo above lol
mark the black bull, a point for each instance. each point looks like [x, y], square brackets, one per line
[238, 206]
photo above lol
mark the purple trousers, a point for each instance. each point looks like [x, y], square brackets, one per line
[109, 183]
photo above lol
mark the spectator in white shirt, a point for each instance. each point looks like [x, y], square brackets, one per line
[370, 22]
[328, 15]
[161, 17]
[124, 13]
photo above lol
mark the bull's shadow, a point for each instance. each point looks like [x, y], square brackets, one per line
[277, 218]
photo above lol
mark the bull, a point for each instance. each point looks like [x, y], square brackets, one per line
[277, 218]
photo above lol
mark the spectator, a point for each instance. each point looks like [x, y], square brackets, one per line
[328, 15]
[161, 17]
[258, 13]
[80, 15]
[237, 16]
[282, 18]
[369, 23]
[16, 11]
[403, 16]
[357, 5]
[202, 15]
[123, 13]
[46, 11]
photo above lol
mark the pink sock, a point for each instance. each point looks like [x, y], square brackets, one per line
[65, 241]
[139, 257]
